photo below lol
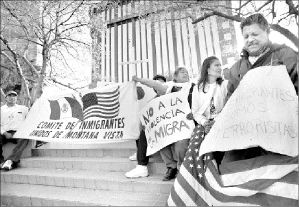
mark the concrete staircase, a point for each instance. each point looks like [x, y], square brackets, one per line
[83, 177]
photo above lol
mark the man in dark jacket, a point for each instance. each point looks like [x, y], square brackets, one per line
[258, 51]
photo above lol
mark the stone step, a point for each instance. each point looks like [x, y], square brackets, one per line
[40, 195]
[110, 164]
[122, 149]
[110, 181]
[105, 152]
[122, 152]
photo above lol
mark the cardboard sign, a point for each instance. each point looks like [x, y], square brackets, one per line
[165, 120]
[263, 111]
[102, 115]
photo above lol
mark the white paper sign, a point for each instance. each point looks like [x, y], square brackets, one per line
[263, 111]
[165, 120]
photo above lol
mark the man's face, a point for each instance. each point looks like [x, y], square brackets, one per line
[255, 39]
[11, 99]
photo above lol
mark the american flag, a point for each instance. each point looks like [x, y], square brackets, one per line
[269, 180]
[101, 104]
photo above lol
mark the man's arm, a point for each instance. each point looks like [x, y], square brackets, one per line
[232, 81]
[289, 59]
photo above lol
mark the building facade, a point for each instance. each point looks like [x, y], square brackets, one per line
[156, 41]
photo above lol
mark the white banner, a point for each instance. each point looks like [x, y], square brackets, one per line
[165, 120]
[106, 114]
[263, 111]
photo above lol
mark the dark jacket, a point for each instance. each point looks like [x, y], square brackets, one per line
[277, 55]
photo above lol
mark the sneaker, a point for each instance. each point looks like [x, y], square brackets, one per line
[137, 172]
[170, 174]
[8, 165]
[133, 157]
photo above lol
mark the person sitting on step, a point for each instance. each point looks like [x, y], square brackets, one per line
[12, 115]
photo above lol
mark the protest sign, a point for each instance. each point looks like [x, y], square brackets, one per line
[102, 115]
[263, 111]
[165, 120]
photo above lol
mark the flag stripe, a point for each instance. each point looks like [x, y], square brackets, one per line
[282, 189]
[112, 113]
[103, 105]
[75, 107]
[270, 159]
[292, 178]
[170, 201]
[187, 200]
[101, 108]
[210, 200]
[102, 101]
[104, 96]
[260, 184]
[214, 181]
[96, 115]
[191, 191]
[55, 110]
[265, 172]
[179, 201]
[256, 199]
[231, 194]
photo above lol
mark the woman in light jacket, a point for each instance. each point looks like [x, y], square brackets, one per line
[209, 97]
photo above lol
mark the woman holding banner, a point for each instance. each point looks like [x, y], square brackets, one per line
[173, 154]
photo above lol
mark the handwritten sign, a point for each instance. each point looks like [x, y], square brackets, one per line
[165, 120]
[101, 116]
[263, 111]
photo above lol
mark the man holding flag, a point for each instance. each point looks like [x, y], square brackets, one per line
[257, 130]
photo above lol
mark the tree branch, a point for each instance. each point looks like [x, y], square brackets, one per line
[286, 33]
[217, 13]
[33, 69]
[7, 68]
[68, 18]
[275, 27]
[17, 18]
[265, 4]
[55, 81]
[243, 5]
[17, 64]
[292, 8]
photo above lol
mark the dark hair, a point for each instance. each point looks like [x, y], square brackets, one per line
[204, 72]
[256, 19]
[176, 72]
[161, 77]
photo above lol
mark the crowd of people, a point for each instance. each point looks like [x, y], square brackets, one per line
[211, 92]
[206, 99]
